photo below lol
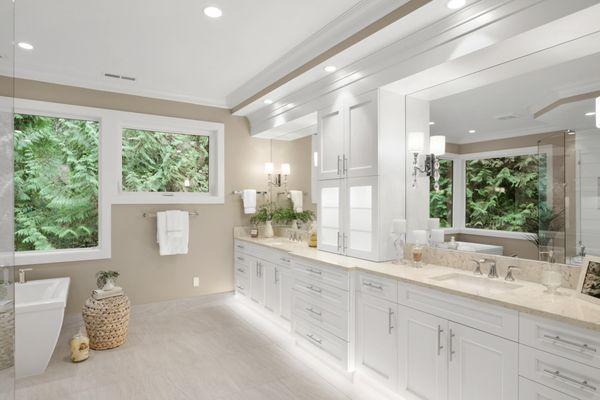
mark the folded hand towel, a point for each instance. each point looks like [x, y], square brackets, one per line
[176, 240]
[249, 200]
[100, 294]
[296, 196]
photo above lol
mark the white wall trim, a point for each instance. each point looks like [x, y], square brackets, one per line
[489, 233]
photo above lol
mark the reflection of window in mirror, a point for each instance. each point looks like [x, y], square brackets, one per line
[441, 201]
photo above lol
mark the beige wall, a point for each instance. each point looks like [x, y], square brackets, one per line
[146, 276]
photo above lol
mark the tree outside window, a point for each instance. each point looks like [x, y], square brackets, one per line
[440, 202]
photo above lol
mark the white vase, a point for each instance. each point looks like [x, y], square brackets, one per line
[109, 285]
[269, 230]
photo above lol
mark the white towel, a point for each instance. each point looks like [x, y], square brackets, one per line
[100, 294]
[296, 196]
[249, 200]
[172, 232]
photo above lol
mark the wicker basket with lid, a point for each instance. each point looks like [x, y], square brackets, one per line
[106, 321]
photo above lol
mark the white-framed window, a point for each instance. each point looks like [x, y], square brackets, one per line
[62, 204]
[164, 160]
[473, 191]
[69, 173]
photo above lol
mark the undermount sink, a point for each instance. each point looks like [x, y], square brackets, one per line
[470, 282]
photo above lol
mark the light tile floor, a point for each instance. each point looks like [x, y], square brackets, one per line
[213, 348]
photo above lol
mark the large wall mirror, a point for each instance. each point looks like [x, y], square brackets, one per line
[519, 174]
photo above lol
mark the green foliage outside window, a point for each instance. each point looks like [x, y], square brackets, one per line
[440, 202]
[503, 193]
[56, 183]
[164, 162]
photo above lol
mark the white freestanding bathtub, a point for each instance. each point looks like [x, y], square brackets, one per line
[39, 312]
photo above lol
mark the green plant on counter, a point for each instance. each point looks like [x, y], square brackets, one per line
[265, 213]
[104, 276]
[305, 216]
[270, 212]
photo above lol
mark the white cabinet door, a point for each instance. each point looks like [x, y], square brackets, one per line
[360, 238]
[272, 277]
[257, 281]
[287, 283]
[376, 338]
[422, 355]
[362, 128]
[481, 365]
[330, 208]
[331, 142]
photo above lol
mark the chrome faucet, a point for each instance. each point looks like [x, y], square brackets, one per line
[478, 263]
[22, 274]
[509, 274]
[493, 274]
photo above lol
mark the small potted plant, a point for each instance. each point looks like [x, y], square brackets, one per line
[106, 279]
[264, 215]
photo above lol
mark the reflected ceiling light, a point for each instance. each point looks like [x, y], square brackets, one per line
[472, 131]
[330, 68]
[590, 114]
[25, 45]
[570, 132]
[455, 4]
[431, 123]
[213, 12]
[268, 101]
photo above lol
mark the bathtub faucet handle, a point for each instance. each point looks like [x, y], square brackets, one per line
[22, 274]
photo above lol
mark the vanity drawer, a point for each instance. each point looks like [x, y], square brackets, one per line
[331, 320]
[489, 318]
[570, 377]
[325, 294]
[322, 274]
[242, 285]
[377, 286]
[323, 340]
[530, 390]
[242, 265]
[561, 339]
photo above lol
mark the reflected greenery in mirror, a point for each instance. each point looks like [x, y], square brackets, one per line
[502, 193]
[440, 201]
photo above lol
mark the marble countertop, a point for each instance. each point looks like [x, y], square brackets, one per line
[529, 298]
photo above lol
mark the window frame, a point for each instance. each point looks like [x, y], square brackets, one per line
[459, 197]
[103, 250]
[216, 160]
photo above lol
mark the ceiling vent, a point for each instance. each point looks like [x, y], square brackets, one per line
[506, 117]
[115, 76]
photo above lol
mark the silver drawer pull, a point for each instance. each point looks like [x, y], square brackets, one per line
[243, 271]
[311, 310]
[557, 338]
[314, 289]
[285, 260]
[240, 258]
[239, 246]
[314, 271]
[240, 287]
[313, 338]
[372, 285]
[568, 379]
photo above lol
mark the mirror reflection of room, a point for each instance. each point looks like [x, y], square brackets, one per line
[518, 175]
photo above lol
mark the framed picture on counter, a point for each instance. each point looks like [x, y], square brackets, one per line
[589, 281]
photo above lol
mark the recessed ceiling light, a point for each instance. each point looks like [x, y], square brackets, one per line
[570, 132]
[268, 101]
[455, 4]
[330, 68]
[213, 12]
[431, 123]
[590, 114]
[25, 45]
[472, 131]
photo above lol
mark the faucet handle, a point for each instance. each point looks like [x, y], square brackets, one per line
[478, 262]
[509, 273]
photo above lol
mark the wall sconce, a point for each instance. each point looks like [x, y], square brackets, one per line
[437, 147]
[280, 179]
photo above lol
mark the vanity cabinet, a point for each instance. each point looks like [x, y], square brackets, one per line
[272, 287]
[257, 284]
[376, 343]
[358, 169]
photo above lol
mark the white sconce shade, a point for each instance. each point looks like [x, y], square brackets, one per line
[598, 112]
[285, 169]
[416, 142]
[437, 145]
[269, 168]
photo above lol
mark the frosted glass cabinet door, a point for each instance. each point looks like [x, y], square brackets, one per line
[481, 366]
[361, 142]
[360, 237]
[331, 143]
[331, 197]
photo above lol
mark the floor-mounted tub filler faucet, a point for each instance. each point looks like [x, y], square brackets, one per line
[22, 274]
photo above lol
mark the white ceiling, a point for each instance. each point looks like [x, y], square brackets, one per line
[520, 96]
[170, 47]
